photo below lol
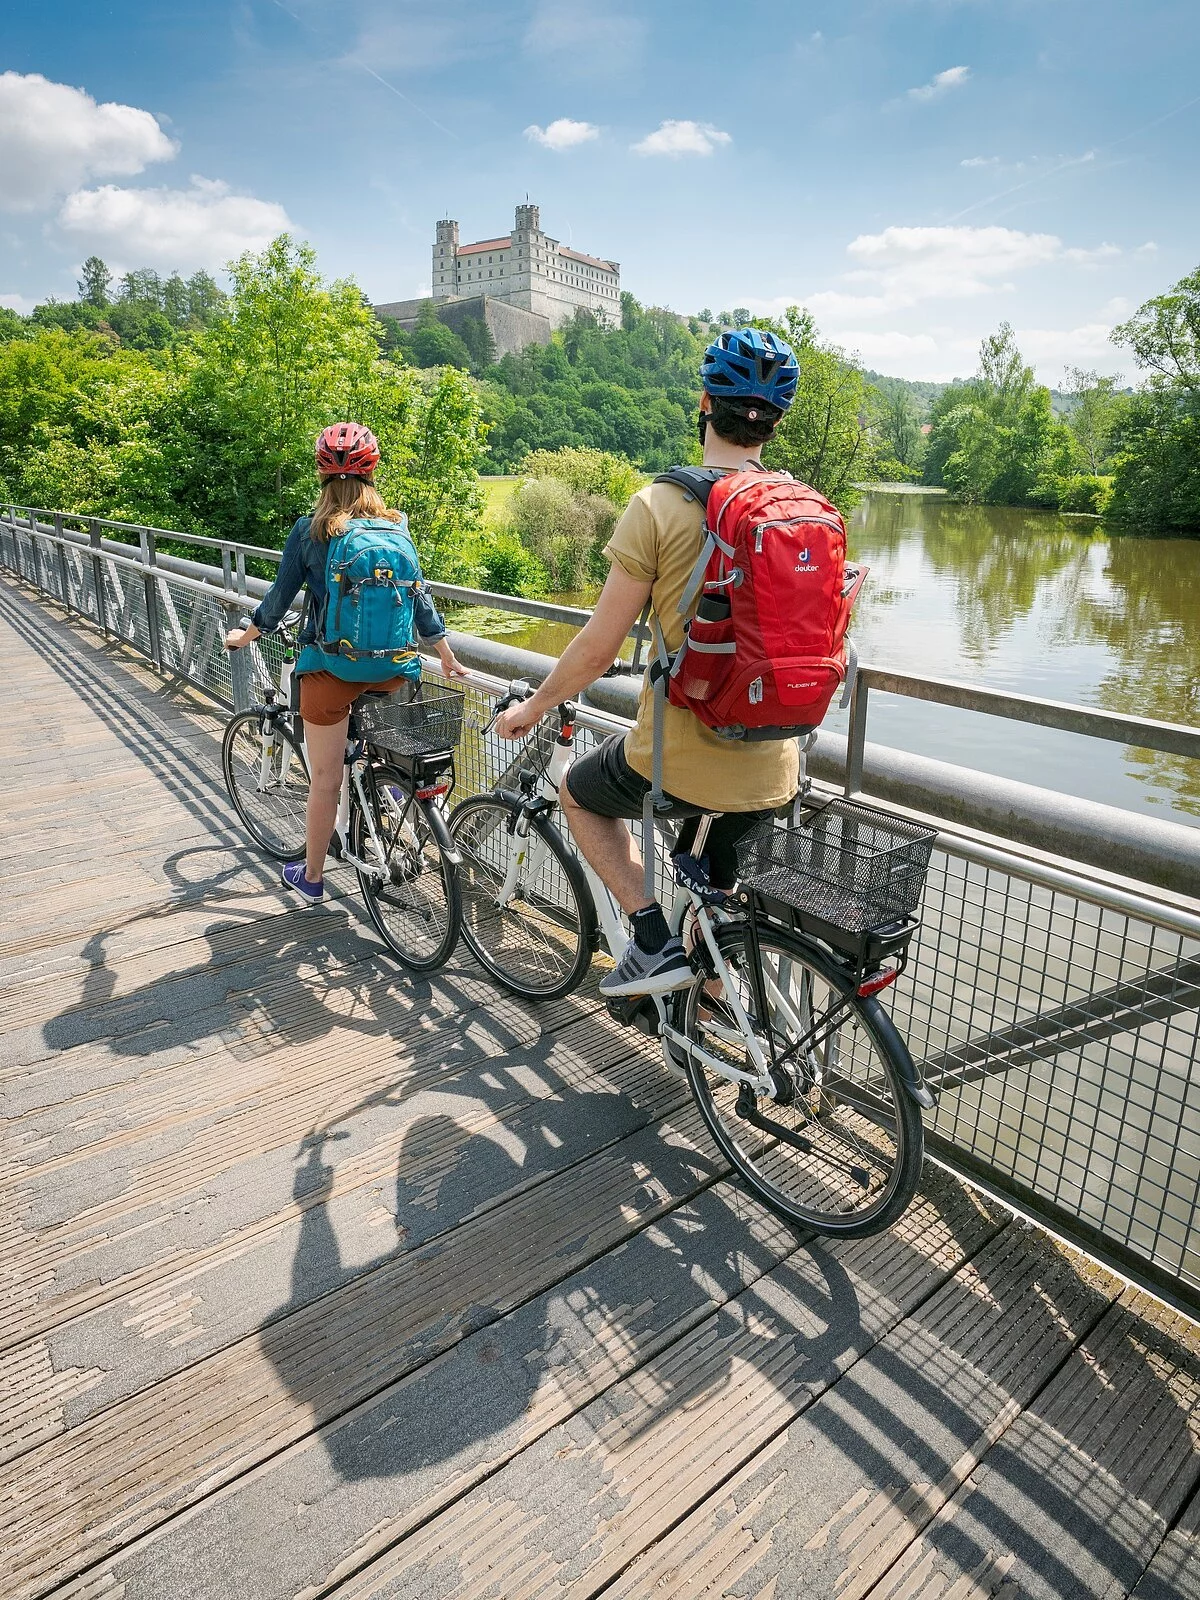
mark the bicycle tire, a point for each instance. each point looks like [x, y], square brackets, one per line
[273, 816]
[540, 946]
[845, 1185]
[417, 911]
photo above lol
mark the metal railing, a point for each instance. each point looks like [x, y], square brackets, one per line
[1055, 1008]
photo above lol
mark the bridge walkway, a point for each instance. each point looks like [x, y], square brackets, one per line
[319, 1280]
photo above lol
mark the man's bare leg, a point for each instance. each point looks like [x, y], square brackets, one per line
[607, 846]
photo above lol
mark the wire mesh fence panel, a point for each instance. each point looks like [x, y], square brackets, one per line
[1062, 1039]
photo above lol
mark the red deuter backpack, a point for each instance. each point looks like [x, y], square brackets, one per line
[765, 649]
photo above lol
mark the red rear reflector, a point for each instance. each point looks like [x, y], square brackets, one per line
[874, 981]
[430, 794]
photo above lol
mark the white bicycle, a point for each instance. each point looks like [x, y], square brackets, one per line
[391, 826]
[795, 1066]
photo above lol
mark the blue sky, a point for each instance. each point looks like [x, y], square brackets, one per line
[913, 170]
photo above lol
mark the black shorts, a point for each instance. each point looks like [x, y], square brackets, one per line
[604, 783]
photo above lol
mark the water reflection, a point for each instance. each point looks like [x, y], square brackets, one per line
[1028, 601]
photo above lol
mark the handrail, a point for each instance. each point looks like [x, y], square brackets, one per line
[1143, 732]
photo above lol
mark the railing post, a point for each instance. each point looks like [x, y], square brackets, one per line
[239, 666]
[241, 572]
[98, 574]
[227, 568]
[856, 737]
[63, 575]
[149, 553]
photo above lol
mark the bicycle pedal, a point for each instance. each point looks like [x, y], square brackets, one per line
[635, 1011]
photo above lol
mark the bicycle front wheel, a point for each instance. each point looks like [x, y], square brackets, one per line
[267, 778]
[415, 901]
[839, 1148]
[527, 910]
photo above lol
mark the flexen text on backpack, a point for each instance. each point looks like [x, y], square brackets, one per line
[372, 573]
[765, 649]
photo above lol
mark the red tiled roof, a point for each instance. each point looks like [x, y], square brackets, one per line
[591, 261]
[485, 244]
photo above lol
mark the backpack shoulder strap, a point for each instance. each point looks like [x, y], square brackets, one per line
[696, 482]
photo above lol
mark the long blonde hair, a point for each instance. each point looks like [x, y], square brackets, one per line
[343, 499]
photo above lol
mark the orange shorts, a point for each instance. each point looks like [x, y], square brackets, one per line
[326, 700]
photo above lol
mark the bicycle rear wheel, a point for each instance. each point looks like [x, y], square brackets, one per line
[267, 778]
[417, 906]
[538, 943]
[844, 1156]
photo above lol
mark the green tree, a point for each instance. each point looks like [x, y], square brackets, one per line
[95, 282]
[1157, 441]
[205, 299]
[433, 344]
[823, 439]
[899, 425]
[1095, 408]
[586, 472]
[1164, 335]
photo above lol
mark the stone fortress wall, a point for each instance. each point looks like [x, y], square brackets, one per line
[512, 328]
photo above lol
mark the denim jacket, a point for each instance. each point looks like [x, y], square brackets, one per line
[303, 561]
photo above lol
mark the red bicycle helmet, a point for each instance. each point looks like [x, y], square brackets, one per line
[347, 450]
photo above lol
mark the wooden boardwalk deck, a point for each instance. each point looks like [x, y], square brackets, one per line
[316, 1280]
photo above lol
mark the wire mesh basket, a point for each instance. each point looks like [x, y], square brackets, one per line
[847, 864]
[428, 725]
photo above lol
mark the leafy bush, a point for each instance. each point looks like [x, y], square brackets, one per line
[1085, 491]
[586, 472]
[562, 530]
[507, 567]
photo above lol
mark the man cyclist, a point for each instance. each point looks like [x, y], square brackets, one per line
[749, 380]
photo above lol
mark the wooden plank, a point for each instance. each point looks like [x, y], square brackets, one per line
[444, 1152]
[75, 1501]
[325, 1507]
[835, 1501]
[1075, 1500]
[1174, 1573]
[568, 1515]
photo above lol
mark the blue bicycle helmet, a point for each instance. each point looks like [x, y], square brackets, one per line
[749, 364]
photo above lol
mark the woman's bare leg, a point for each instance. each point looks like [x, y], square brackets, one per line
[326, 748]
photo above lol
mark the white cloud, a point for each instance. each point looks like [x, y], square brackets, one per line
[17, 302]
[1076, 346]
[53, 137]
[875, 345]
[1147, 249]
[202, 226]
[981, 161]
[684, 138]
[562, 133]
[940, 83]
[905, 265]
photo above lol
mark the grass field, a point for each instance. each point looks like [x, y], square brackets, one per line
[498, 492]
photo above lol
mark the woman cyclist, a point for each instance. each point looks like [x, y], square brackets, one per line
[347, 456]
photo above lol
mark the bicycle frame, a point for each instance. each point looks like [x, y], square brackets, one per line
[527, 851]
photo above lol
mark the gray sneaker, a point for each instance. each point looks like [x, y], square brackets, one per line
[639, 973]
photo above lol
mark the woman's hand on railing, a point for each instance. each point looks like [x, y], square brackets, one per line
[239, 638]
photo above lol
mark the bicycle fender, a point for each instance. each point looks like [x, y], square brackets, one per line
[914, 1086]
[441, 833]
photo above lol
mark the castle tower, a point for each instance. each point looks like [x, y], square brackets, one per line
[445, 261]
[528, 219]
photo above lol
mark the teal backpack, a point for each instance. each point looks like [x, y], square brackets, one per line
[366, 630]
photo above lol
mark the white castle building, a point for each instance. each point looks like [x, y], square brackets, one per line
[521, 286]
[528, 269]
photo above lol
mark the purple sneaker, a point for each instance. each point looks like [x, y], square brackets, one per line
[293, 877]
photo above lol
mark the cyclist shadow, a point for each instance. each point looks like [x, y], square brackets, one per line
[523, 1332]
[242, 981]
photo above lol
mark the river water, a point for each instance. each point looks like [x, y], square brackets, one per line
[1025, 601]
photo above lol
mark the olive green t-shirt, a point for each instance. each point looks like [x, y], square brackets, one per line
[658, 540]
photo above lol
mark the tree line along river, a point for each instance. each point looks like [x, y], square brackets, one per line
[1030, 602]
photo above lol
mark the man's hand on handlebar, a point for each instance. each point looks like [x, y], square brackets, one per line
[514, 720]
